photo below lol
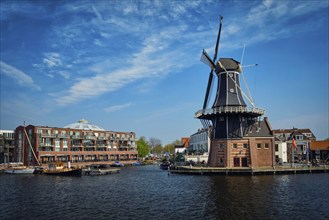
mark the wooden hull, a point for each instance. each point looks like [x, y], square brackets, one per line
[74, 172]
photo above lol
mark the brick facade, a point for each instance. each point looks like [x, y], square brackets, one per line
[75, 145]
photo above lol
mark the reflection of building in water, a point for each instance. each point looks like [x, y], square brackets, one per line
[77, 142]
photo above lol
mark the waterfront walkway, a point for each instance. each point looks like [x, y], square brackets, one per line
[248, 171]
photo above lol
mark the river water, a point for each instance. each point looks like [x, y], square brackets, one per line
[147, 192]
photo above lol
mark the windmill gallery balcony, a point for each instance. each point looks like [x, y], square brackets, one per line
[203, 113]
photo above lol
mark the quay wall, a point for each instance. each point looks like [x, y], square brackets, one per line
[248, 171]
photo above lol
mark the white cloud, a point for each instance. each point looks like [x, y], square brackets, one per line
[65, 74]
[19, 76]
[52, 60]
[152, 60]
[115, 108]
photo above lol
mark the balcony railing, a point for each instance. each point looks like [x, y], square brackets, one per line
[47, 135]
[62, 136]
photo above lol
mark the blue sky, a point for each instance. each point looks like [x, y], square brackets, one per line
[135, 65]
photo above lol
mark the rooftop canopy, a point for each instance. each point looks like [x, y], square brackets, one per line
[84, 125]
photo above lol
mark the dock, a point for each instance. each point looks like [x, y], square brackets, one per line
[248, 170]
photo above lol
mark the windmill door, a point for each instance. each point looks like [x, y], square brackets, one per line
[244, 162]
[236, 162]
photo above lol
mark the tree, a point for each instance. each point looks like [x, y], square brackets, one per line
[142, 147]
[169, 148]
[158, 149]
[153, 142]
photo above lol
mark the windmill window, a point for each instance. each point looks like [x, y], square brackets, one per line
[267, 146]
[259, 146]
[231, 90]
[245, 146]
[235, 146]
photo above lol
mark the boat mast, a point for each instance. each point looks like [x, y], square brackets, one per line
[23, 144]
[28, 139]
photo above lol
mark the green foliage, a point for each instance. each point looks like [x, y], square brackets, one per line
[169, 148]
[142, 147]
[158, 149]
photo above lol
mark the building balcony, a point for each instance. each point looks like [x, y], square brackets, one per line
[76, 137]
[46, 145]
[76, 146]
[62, 136]
[44, 135]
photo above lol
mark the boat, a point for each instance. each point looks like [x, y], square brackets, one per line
[100, 169]
[18, 168]
[136, 164]
[117, 164]
[165, 165]
[58, 169]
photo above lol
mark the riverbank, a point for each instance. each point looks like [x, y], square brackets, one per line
[248, 171]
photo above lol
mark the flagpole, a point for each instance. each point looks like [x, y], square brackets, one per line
[292, 156]
[307, 152]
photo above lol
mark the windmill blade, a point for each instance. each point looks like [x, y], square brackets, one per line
[218, 38]
[206, 59]
[206, 99]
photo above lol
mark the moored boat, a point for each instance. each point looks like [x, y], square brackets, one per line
[165, 165]
[100, 169]
[117, 164]
[58, 169]
[18, 168]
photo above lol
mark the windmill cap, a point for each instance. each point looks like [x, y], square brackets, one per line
[228, 64]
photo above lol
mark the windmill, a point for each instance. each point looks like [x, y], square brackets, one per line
[229, 116]
[239, 137]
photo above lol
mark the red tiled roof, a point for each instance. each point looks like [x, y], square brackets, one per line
[320, 145]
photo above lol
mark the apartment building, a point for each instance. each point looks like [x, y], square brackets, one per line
[78, 143]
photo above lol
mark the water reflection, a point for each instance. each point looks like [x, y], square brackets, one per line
[149, 193]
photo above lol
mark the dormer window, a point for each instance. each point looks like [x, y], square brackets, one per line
[299, 137]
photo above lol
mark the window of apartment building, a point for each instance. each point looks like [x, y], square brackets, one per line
[63, 132]
[235, 146]
[259, 146]
[39, 131]
[299, 137]
[245, 146]
[64, 145]
[276, 147]
[55, 132]
[47, 142]
[267, 146]
[308, 134]
[57, 145]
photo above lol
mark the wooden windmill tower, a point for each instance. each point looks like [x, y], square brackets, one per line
[239, 137]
